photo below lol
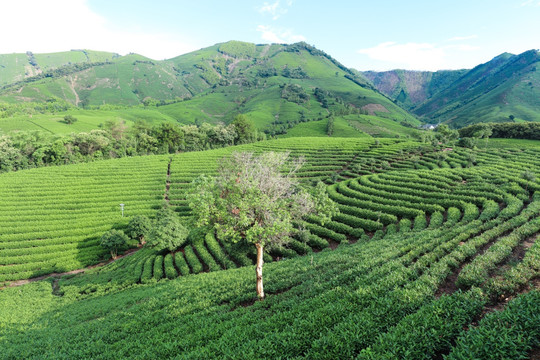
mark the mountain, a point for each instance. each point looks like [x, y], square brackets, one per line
[411, 88]
[507, 87]
[277, 85]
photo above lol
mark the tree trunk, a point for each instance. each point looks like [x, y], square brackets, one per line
[258, 271]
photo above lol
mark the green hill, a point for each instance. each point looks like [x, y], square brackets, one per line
[18, 67]
[278, 86]
[507, 87]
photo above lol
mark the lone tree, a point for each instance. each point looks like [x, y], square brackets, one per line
[256, 199]
[113, 240]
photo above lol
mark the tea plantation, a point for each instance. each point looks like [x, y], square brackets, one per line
[434, 255]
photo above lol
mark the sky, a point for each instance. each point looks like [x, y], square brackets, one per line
[365, 35]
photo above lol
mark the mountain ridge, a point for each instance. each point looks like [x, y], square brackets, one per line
[502, 89]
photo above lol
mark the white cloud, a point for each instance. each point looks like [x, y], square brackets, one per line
[414, 56]
[462, 47]
[279, 36]
[275, 9]
[60, 25]
[530, 3]
[463, 38]
[419, 56]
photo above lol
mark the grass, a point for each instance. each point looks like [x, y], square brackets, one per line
[378, 126]
[510, 143]
[312, 128]
[86, 120]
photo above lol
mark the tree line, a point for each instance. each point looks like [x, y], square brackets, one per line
[23, 150]
[508, 130]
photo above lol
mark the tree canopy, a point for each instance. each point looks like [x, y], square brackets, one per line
[113, 240]
[168, 233]
[256, 199]
[138, 227]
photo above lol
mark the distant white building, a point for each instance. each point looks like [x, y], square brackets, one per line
[428, 127]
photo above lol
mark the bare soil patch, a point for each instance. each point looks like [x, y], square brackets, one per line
[371, 108]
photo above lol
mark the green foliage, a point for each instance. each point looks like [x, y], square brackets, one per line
[158, 268]
[34, 149]
[429, 331]
[507, 334]
[114, 240]
[476, 96]
[181, 264]
[467, 142]
[70, 119]
[420, 223]
[294, 73]
[168, 233]
[294, 93]
[251, 200]
[217, 252]
[193, 260]
[202, 86]
[330, 126]
[238, 49]
[444, 134]
[148, 269]
[377, 298]
[244, 129]
[168, 264]
[138, 227]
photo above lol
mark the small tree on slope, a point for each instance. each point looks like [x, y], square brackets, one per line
[256, 199]
[138, 227]
[113, 240]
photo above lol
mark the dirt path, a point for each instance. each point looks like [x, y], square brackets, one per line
[72, 87]
[233, 64]
[265, 50]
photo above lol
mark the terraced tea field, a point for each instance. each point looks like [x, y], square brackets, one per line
[428, 243]
[51, 219]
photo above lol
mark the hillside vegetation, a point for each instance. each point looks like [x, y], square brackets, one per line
[16, 68]
[507, 88]
[411, 88]
[278, 86]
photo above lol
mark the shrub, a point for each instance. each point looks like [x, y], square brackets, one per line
[113, 240]
[181, 264]
[168, 232]
[70, 119]
[158, 268]
[168, 263]
[138, 227]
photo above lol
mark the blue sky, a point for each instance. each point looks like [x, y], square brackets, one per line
[366, 35]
